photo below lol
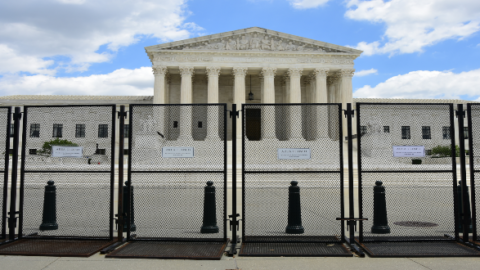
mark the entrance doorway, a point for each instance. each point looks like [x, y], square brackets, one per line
[253, 124]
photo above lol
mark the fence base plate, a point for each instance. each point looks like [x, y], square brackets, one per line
[54, 247]
[418, 249]
[294, 250]
[171, 250]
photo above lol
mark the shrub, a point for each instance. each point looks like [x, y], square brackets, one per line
[47, 146]
[445, 151]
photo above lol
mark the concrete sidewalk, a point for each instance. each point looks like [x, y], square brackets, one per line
[98, 261]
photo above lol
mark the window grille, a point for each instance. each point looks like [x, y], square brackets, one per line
[406, 133]
[426, 134]
[386, 129]
[126, 129]
[363, 130]
[34, 130]
[80, 131]
[103, 131]
[465, 132]
[57, 130]
[446, 133]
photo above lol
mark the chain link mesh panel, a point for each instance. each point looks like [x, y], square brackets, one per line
[83, 200]
[269, 169]
[5, 116]
[474, 154]
[419, 197]
[174, 151]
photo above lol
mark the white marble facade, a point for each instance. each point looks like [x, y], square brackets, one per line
[276, 67]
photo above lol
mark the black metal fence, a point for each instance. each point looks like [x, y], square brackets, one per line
[296, 148]
[420, 192]
[5, 123]
[65, 194]
[473, 114]
[178, 154]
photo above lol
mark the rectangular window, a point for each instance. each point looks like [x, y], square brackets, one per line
[32, 151]
[57, 130]
[126, 130]
[125, 151]
[200, 124]
[101, 151]
[426, 135]
[363, 130]
[175, 124]
[103, 131]
[386, 129]
[446, 133]
[80, 131]
[428, 152]
[406, 132]
[34, 130]
[465, 132]
[12, 130]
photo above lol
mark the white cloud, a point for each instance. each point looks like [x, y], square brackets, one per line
[119, 82]
[9, 60]
[76, 29]
[412, 25]
[304, 4]
[425, 84]
[366, 72]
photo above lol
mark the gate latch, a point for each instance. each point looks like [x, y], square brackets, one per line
[346, 113]
[232, 113]
[12, 219]
[124, 114]
[352, 221]
[236, 222]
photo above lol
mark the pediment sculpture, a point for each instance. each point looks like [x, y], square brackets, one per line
[253, 42]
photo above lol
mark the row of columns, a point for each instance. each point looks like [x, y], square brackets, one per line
[337, 90]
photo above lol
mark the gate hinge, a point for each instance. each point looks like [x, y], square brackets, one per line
[347, 113]
[12, 219]
[17, 116]
[124, 114]
[232, 113]
[236, 222]
[461, 112]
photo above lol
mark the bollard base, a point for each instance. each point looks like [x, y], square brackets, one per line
[295, 229]
[381, 229]
[48, 227]
[209, 229]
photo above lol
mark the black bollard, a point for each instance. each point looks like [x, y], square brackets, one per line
[209, 210]
[380, 221]
[464, 210]
[49, 219]
[294, 210]
[126, 202]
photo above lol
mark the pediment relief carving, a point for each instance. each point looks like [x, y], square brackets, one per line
[253, 42]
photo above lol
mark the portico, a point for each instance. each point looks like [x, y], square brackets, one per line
[275, 67]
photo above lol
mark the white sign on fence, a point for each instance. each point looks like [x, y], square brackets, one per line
[293, 153]
[67, 151]
[409, 151]
[178, 152]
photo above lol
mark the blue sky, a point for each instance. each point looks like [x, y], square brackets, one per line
[412, 48]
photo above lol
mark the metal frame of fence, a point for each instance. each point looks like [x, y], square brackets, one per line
[3, 214]
[413, 245]
[474, 172]
[258, 245]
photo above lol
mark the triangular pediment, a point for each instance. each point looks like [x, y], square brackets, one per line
[252, 39]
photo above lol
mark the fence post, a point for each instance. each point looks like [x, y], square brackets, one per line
[121, 140]
[234, 215]
[463, 172]
[12, 220]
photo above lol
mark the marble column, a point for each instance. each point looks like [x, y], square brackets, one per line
[345, 79]
[321, 96]
[239, 99]
[295, 112]
[268, 97]
[159, 86]
[186, 98]
[213, 74]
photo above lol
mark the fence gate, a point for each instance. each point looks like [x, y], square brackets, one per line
[66, 181]
[5, 119]
[473, 114]
[177, 169]
[407, 179]
[292, 180]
